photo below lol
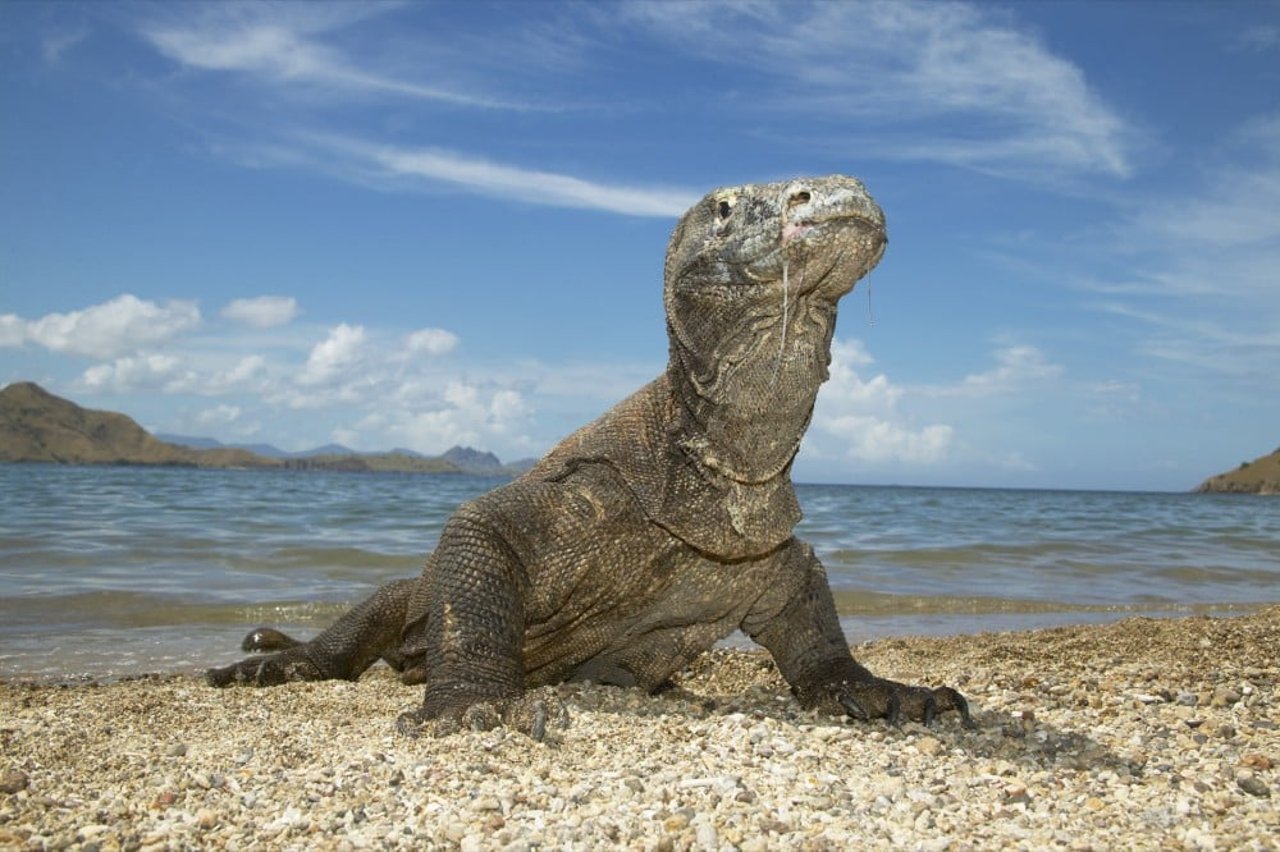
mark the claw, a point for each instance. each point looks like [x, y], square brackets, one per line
[851, 706]
[946, 698]
[962, 707]
[409, 724]
[894, 716]
[538, 728]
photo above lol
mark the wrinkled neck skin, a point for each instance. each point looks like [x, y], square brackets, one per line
[748, 426]
[753, 278]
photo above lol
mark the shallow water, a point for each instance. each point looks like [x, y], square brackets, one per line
[107, 571]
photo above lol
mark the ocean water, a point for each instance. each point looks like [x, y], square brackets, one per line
[111, 571]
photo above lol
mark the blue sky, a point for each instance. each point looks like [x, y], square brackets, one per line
[426, 224]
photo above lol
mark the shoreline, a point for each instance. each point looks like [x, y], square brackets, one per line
[74, 660]
[1142, 732]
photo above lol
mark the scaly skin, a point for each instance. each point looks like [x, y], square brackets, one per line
[648, 535]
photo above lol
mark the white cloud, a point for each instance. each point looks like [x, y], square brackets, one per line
[56, 46]
[467, 418]
[279, 45]
[874, 440]
[219, 415]
[247, 369]
[288, 46]
[1017, 368]
[225, 422]
[13, 330]
[333, 356]
[461, 414]
[507, 407]
[859, 418]
[248, 374]
[431, 341]
[1202, 264]
[400, 166]
[905, 64]
[1239, 210]
[1260, 38]
[124, 324]
[262, 311]
[847, 389]
[867, 419]
[151, 371]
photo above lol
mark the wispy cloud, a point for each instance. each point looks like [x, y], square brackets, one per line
[262, 311]
[310, 48]
[1241, 207]
[1262, 37]
[1202, 263]
[1242, 347]
[282, 45]
[916, 70]
[1017, 368]
[407, 167]
[55, 47]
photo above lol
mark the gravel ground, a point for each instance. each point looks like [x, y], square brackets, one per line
[1141, 734]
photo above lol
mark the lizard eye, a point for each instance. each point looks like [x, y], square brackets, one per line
[725, 209]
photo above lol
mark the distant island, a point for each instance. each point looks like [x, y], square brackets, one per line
[37, 426]
[1260, 476]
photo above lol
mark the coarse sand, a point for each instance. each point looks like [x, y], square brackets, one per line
[1142, 734]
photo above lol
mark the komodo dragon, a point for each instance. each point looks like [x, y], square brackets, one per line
[648, 535]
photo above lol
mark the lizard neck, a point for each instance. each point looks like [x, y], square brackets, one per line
[751, 436]
[744, 418]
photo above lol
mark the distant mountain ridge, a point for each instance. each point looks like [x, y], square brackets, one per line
[37, 426]
[473, 460]
[271, 451]
[1260, 476]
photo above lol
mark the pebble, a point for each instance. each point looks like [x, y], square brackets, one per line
[13, 781]
[929, 746]
[1252, 784]
[1132, 735]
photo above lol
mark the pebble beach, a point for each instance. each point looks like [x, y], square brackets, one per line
[1141, 734]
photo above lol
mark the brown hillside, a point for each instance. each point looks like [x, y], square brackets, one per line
[1260, 476]
[36, 426]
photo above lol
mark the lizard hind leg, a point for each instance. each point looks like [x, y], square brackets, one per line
[365, 633]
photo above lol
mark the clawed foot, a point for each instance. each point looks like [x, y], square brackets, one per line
[534, 713]
[272, 670]
[877, 698]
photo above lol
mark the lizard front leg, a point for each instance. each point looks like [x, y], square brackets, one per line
[464, 633]
[801, 630]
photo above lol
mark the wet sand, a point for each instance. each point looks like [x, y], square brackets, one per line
[1147, 733]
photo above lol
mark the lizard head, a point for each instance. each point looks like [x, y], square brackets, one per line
[753, 274]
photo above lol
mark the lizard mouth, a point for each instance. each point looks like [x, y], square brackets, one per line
[792, 230]
[851, 255]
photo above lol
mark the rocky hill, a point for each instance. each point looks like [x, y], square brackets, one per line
[1260, 476]
[37, 426]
